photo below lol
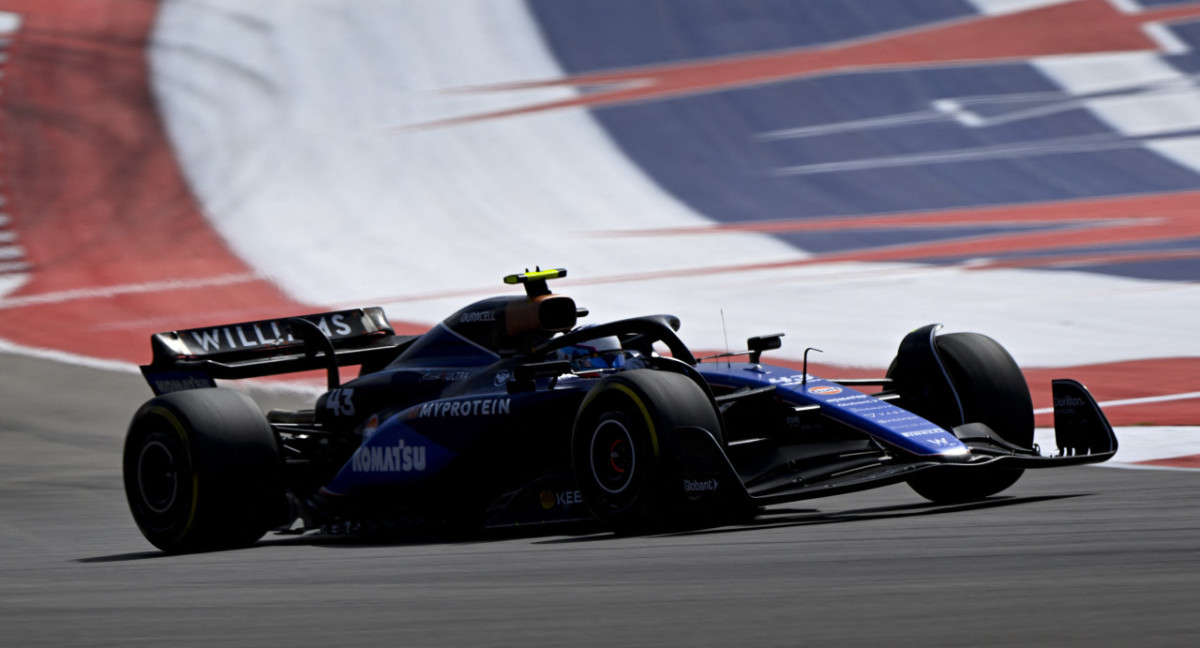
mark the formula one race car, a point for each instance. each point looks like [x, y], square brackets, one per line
[507, 413]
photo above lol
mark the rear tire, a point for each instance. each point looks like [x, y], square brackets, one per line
[623, 447]
[202, 471]
[991, 390]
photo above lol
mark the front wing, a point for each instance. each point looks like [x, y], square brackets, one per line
[1082, 432]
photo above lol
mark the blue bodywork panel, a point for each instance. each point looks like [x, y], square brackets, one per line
[881, 420]
[393, 454]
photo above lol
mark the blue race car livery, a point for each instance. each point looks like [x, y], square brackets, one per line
[507, 413]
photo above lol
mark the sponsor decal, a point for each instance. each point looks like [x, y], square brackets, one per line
[503, 377]
[173, 382]
[794, 379]
[389, 459]
[370, 426]
[921, 433]
[236, 337]
[872, 411]
[444, 376]
[825, 390]
[468, 407]
[550, 499]
[896, 421]
[1069, 401]
[700, 485]
[477, 316]
[854, 400]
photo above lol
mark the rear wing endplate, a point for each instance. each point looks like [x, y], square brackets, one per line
[194, 358]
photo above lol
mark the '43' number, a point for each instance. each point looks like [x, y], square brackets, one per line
[341, 402]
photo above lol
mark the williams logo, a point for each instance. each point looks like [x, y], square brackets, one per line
[267, 333]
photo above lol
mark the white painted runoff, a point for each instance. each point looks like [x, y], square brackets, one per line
[290, 126]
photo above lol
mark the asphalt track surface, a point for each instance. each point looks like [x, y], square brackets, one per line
[1086, 556]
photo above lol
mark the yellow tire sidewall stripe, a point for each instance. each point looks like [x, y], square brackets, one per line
[641, 405]
[175, 423]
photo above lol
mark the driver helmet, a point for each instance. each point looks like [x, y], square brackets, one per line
[599, 353]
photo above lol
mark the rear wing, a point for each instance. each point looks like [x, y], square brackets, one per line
[194, 358]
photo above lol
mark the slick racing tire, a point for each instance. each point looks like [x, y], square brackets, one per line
[623, 446]
[203, 471]
[993, 391]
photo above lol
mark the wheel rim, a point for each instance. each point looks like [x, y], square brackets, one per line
[157, 477]
[613, 456]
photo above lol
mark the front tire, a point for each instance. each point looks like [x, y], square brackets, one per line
[992, 390]
[202, 471]
[623, 446]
